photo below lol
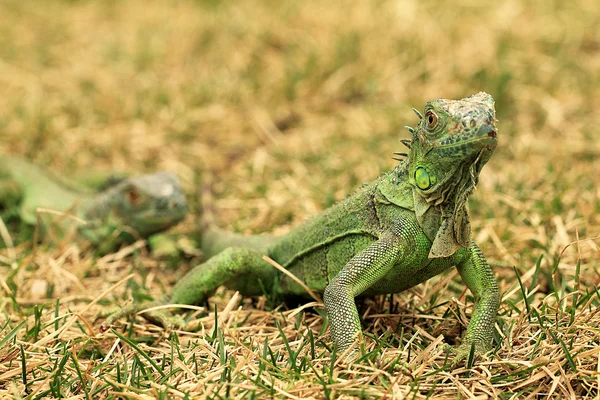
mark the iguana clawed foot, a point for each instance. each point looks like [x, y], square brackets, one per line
[463, 352]
[161, 317]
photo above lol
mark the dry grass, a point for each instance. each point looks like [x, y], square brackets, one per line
[293, 105]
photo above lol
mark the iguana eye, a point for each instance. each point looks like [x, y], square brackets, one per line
[431, 119]
[133, 197]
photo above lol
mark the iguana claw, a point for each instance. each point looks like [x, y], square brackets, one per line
[465, 352]
[160, 317]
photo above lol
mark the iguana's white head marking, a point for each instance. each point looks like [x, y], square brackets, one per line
[167, 190]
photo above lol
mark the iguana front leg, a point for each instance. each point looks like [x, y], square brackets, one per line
[477, 275]
[361, 272]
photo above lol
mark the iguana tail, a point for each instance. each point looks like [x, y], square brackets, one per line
[207, 204]
[213, 239]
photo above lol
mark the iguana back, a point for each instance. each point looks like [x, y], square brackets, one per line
[34, 188]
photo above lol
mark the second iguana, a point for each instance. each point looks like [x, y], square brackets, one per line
[402, 229]
[137, 206]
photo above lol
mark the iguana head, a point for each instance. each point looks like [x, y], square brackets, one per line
[452, 142]
[145, 204]
[453, 136]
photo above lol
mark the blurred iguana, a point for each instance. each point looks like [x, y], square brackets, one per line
[402, 229]
[125, 208]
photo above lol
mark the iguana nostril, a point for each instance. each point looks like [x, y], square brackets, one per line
[486, 130]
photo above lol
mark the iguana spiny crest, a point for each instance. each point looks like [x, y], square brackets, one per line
[452, 142]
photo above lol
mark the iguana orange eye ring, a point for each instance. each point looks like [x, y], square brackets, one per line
[133, 197]
[431, 119]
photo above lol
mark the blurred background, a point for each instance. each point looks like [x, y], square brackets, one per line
[292, 105]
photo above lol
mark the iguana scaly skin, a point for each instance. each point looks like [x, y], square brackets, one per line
[404, 228]
[140, 205]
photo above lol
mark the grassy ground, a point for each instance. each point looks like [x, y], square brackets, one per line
[293, 105]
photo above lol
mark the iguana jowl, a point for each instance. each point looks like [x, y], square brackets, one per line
[402, 229]
[143, 204]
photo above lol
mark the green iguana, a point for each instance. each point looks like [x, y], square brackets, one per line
[402, 229]
[141, 205]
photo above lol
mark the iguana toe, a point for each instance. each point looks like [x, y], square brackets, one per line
[466, 352]
[159, 317]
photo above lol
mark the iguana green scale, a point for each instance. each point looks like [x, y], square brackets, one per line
[136, 206]
[402, 229]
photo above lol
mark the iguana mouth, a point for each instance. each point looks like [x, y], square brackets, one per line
[161, 219]
[473, 140]
[486, 134]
